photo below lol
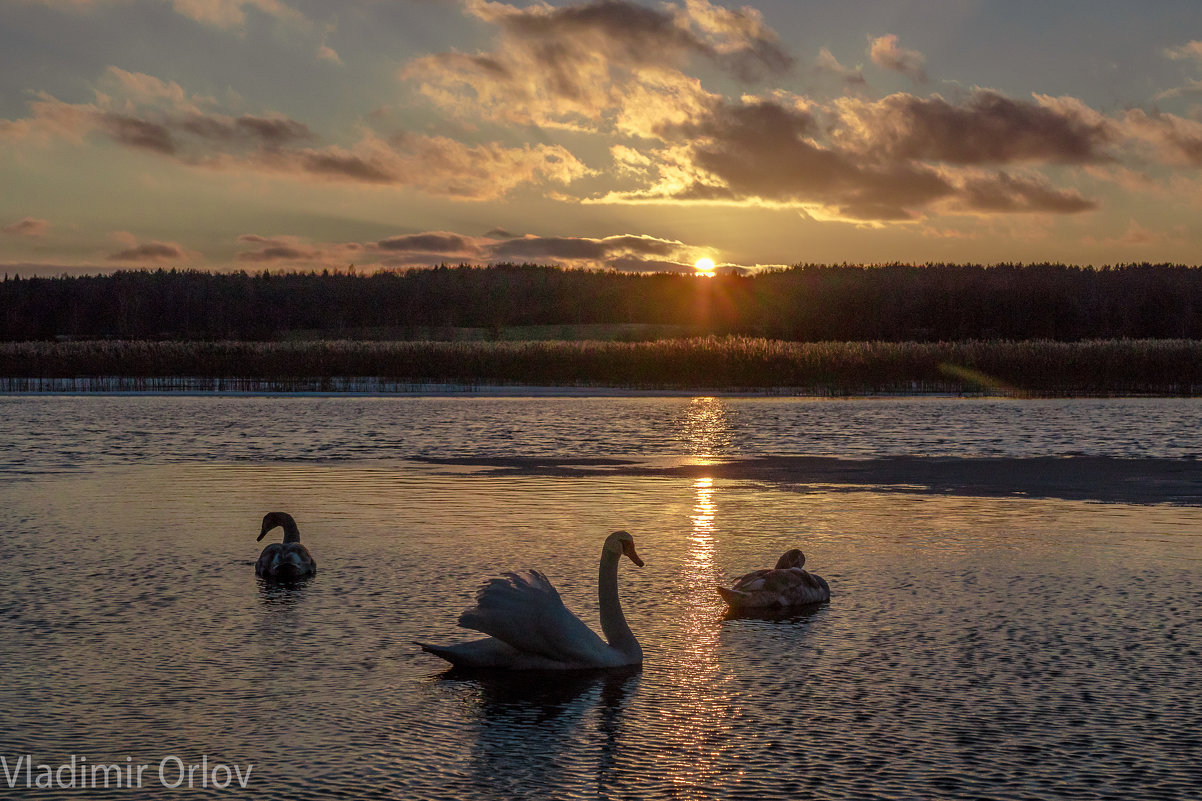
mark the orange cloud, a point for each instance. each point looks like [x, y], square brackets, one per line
[1172, 139]
[886, 54]
[826, 63]
[571, 66]
[143, 113]
[769, 151]
[1191, 51]
[27, 226]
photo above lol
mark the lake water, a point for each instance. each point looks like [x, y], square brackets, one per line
[980, 643]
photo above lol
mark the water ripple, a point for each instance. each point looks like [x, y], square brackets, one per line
[973, 647]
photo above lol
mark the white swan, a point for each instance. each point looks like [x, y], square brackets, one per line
[287, 560]
[529, 628]
[785, 585]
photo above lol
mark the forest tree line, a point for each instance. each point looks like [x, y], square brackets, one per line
[809, 303]
[1025, 368]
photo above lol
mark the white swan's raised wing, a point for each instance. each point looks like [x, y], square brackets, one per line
[524, 611]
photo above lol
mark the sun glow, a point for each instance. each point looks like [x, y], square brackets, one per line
[704, 267]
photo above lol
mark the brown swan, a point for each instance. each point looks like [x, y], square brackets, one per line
[785, 585]
[287, 560]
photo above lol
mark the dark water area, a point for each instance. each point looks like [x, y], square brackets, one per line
[70, 431]
[989, 645]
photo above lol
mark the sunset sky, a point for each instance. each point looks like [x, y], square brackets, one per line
[297, 134]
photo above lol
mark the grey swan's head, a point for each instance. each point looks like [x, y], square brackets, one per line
[791, 558]
[289, 559]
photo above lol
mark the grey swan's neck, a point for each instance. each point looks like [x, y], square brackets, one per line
[283, 520]
[291, 532]
[613, 622]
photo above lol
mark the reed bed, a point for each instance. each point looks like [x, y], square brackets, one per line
[1035, 367]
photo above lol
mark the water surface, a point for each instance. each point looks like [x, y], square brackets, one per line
[991, 646]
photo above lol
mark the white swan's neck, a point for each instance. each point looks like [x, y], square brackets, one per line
[613, 622]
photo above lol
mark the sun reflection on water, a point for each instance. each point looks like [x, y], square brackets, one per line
[707, 426]
[698, 729]
[702, 535]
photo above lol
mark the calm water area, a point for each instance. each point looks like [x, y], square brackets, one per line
[1030, 635]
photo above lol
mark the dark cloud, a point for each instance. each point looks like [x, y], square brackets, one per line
[581, 248]
[1008, 194]
[552, 247]
[634, 264]
[640, 36]
[641, 244]
[138, 133]
[273, 131]
[267, 132]
[765, 121]
[762, 150]
[277, 253]
[337, 164]
[428, 243]
[629, 252]
[151, 251]
[193, 137]
[294, 249]
[988, 128]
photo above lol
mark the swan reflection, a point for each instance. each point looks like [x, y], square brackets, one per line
[792, 614]
[539, 696]
[531, 728]
[282, 594]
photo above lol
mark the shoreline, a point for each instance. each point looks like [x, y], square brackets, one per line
[368, 388]
[1097, 479]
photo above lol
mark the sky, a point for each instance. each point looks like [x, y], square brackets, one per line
[614, 134]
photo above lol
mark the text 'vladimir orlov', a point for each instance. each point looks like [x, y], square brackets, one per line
[78, 773]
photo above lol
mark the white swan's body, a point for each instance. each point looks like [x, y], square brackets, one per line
[785, 585]
[529, 628]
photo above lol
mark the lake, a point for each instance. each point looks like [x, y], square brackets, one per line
[1014, 613]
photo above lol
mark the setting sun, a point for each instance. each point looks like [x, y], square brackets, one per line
[704, 266]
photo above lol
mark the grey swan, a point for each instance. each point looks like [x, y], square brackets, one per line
[288, 560]
[529, 628]
[785, 585]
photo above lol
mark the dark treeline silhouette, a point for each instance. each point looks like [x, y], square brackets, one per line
[1028, 367]
[936, 302]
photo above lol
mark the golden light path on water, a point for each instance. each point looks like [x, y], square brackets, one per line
[702, 723]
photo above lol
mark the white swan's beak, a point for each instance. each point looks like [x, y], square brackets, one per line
[628, 549]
